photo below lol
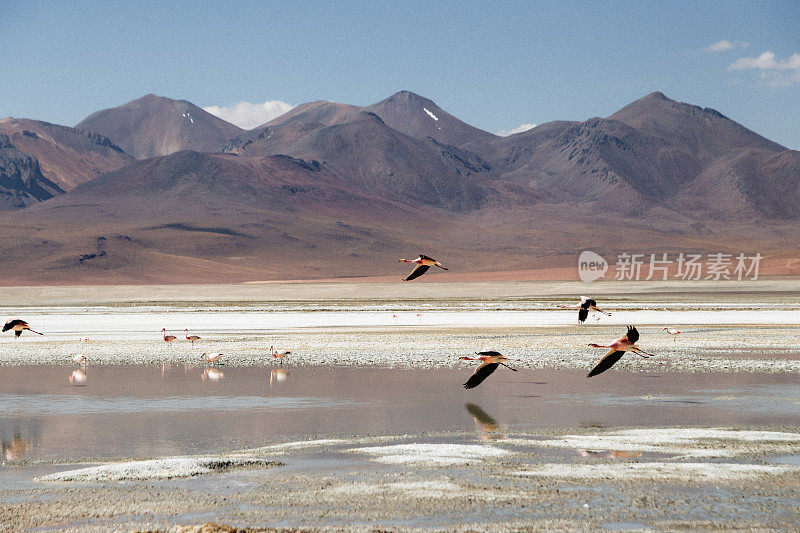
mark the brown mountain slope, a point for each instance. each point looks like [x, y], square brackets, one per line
[191, 215]
[21, 180]
[153, 126]
[420, 118]
[66, 156]
[653, 154]
[378, 160]
[321, 112]
[702, 131]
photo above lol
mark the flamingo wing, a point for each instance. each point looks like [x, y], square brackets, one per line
[582, 314]
[632, 335]
[606, 362]
[417, 272]
[489, 353]
[14, 323]
[481, 373]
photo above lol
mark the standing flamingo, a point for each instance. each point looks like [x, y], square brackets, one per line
[279, 355]
[672, 331]
[583, 308]
[191, 337]
[212, 357]
[616, 350]
[490, 360]
[18, 326]
[168, 338]
[423, 264]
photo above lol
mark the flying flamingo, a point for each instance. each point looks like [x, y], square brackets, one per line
[279, 355]
[79, 358]
[168, 338]
[489, 359]
[212, 357]
[191, 337]
[672, 331]
[616, 350]
[423, 264]
[18, 326]
[583, 308]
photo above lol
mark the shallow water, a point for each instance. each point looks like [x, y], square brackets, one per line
[151, 411]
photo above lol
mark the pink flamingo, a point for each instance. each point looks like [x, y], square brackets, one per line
[616, 350]
[423, 264]
[490, 360]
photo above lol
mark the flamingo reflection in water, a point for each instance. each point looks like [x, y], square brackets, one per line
[78, 378]
[278, 375]
[488, 427]
[16, 449]
[610, 454]
[212, 374]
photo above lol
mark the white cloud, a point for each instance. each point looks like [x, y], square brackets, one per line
[247, 115]
[518, 129]
[774, 72]
[721, 46]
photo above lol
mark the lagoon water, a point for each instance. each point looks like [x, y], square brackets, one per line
[151, 411]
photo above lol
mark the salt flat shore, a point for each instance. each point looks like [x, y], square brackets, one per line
[724, 326]
[622, 479]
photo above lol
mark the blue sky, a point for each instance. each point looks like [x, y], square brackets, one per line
[493, 65]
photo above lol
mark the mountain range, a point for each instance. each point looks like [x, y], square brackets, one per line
[158, 190]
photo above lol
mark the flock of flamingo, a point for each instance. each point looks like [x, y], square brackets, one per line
[490, 360]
